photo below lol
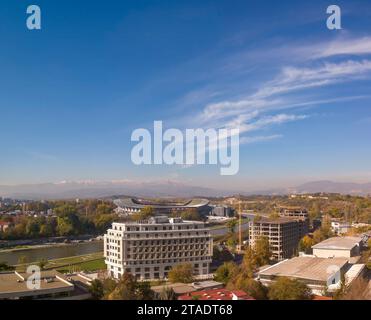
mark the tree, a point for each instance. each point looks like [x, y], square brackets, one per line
[42, 263]
[306, 244]
[5, 267]
[262, 251]
[128, 288]
[226, 272]
[250, 262]
[167, 294]
[252, 287]
[289, 289]
[32, 229]
[125, 288]
[144, 214]
[181, 273]
[104, 208]
[96, 289]
[222, 255]
[143, 291]
[191, 214]
[231, 224]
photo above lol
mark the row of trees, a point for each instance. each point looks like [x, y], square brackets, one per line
[128, 288]
[323, 233]
[242, 276]
[67, 222]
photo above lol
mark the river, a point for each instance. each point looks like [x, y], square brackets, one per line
[51, 252]
[70, 250]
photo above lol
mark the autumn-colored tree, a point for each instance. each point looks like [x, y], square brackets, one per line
[144, 214]
[181, 273]
[262, 251]
[289, 289]
[306, 244]
[252, 287]
[250, 262]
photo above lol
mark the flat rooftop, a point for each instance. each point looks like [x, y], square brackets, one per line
[308, 268]
[16, 284]
[338, 243]
[277, 220]
[179, 288]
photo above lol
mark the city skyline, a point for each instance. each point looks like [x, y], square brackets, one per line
[74, 91]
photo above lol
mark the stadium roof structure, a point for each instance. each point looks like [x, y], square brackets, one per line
[141, 203]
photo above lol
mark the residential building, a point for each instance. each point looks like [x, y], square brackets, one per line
[344, 247]
[149, 249]
[4, 226]
[216, 294]
[340, 227]
[283, 233]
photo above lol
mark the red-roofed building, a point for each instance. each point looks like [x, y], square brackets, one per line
[216, 294]
[4, 225]
[315, 297]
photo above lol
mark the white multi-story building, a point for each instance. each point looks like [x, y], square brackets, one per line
[149, 249]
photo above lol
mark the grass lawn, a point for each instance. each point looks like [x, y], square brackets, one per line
[88, 266]
[88, 262]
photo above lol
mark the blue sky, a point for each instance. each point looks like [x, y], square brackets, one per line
[72, 93]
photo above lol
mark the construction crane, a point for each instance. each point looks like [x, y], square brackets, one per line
[240, 225]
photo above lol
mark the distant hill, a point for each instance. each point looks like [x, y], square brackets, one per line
[89, 189]
[71, 190]
[333, 187]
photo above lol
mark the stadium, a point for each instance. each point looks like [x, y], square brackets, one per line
[129, 206]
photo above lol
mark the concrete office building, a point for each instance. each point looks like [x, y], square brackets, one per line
[149, 249]
[283, 233]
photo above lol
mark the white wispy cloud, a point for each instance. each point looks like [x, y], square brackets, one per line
[248, 140]
[271, 96]
[251, 106]
[341, 46]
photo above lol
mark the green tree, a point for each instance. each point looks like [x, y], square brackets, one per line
[42, 263]
[181, 273]
[96, 289]
[167, 294]
[5, 267]
[231, 224]
[32, 228]
[191, 215]
[226, 272]
[143, 291]
[289, 289]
